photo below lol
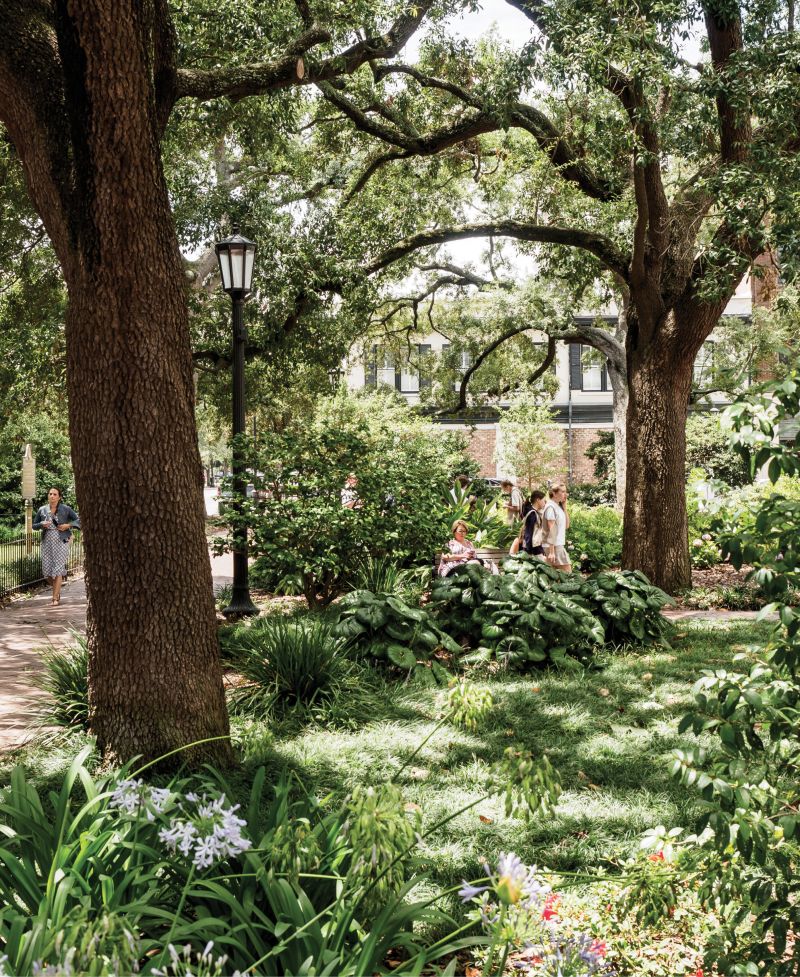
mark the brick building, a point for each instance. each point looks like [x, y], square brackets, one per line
[582, 403]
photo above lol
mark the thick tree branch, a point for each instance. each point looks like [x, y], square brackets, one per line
[540, 370]
[290, 69]
[481, 358]
[597, 244]
[523, 116]
[468, 127]
[165, 61]
[724, 30]
[251, 79]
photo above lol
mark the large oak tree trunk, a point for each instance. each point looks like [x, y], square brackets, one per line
[155, 681]
[656, 535]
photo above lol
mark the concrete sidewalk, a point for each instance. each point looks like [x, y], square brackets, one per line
[31, 623]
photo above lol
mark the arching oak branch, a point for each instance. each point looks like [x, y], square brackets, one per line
[600, 246]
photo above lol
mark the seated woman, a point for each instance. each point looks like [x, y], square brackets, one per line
[460, 550]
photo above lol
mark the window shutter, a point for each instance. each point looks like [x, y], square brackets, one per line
[423, 351]
[371, 368]
[575, 370]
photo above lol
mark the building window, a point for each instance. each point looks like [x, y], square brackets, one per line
[385, 368]
[409, 380]
[703, 371]
[593, 370]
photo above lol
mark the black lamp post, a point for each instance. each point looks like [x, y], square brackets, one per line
[236, 255]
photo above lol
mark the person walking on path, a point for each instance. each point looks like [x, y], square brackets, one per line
[56, 520]
[556, 524]
[533, 527]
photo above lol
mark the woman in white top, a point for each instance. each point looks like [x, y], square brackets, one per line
[556, 524]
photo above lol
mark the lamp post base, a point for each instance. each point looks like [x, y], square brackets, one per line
[240, 606]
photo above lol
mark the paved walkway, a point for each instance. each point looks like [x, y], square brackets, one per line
[31, 623]
[27, 625]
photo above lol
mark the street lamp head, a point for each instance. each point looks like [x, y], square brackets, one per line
[236, 256]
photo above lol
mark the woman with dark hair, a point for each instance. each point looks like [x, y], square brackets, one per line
[56, 521]
[459, 550]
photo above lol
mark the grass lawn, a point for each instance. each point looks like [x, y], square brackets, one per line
[610, 733]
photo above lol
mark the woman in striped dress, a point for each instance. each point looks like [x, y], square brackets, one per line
[56, 521]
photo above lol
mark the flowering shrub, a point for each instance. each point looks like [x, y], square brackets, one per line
[704, 552]
[594, 537]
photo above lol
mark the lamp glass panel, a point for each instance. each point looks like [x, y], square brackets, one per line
[248, 268]
[225, 267]
[237, 266]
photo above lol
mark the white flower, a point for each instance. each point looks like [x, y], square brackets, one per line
[706, 536]
[697, 542]
[211, 832]
[128, 796]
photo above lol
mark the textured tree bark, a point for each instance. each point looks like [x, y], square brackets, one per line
[155, 681]
[656, 533]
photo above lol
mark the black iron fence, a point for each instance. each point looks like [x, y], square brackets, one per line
[21, 561]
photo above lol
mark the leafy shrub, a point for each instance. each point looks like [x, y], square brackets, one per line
[64, 679]
[519, 617]
[595, 536]
[11, 531]
[388, 629]
[264, 576]
[746, 859]
[591, 493]
[628, 606]
[383, 575]
[286, 662]
[24, 570]
[300, 527]
[704, 552]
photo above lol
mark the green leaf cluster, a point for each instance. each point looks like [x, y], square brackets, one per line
[750, 844]
[386, 628]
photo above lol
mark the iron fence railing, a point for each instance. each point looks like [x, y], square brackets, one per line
[21, 561]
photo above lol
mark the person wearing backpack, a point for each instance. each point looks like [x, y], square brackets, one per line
[556, 524]
[533, 526]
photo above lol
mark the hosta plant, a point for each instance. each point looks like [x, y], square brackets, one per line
[518, 617]
[386, 628]
[628, 606]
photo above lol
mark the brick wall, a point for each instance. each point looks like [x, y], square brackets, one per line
[482, 447]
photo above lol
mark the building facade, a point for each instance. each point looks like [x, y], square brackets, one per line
[582, 403]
